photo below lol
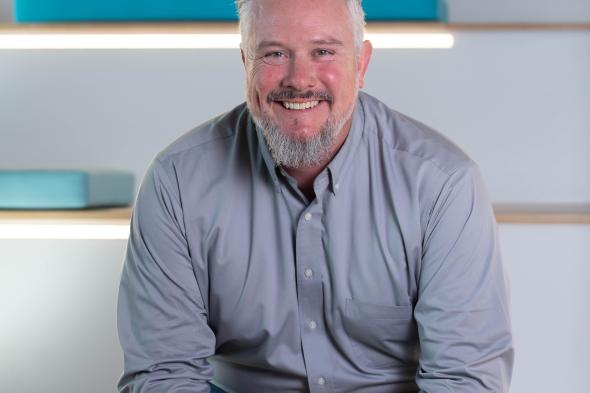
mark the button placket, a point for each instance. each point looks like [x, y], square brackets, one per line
[309, 259]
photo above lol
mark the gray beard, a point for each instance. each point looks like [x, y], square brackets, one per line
[293, 152]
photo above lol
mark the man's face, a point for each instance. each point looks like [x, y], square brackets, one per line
[302, 71]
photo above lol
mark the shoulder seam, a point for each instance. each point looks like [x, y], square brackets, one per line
[434, 163]
[183, 150]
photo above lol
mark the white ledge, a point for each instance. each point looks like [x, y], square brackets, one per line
[114, 223]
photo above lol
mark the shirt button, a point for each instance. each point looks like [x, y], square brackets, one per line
[307, 216]
[336, 186]
[308, 272]
[321, 381]
[312, 325]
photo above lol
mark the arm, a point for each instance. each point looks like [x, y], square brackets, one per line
[462, 309]
[162, 319]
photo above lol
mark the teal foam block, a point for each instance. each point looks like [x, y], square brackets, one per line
[192, 10]
[405, 10]
[64, 189]
[123, 10]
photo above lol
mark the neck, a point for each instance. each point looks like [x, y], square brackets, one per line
[305, 178]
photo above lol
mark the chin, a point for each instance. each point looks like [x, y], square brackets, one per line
[302, 135]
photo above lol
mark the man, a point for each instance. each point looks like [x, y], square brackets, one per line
[313, 239]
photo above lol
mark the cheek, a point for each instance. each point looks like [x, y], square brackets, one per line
[330, 74]
[335, 78]
[264, 78]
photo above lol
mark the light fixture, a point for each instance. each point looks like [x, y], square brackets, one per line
[210, 36]
[65, 231]
[118, 41]
[411, 40]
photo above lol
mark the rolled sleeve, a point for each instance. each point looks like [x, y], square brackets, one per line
[162, 319]
[462, 309]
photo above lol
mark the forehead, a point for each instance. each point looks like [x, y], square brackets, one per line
[301, 21]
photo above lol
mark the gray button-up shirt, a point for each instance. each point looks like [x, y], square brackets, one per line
[390, 280]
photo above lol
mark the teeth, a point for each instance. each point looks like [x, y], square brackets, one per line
[300, 105]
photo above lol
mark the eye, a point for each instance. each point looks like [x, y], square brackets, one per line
[275, 57]
[324, 54]
[275, 54]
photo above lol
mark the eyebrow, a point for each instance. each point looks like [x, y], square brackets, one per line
[265, 44]
[330, 41]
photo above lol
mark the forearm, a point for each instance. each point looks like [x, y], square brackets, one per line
[462, 310]
[161, 317]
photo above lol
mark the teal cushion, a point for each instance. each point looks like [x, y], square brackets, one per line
[405, 10]
[122, 10]
[187, 10]
[64, 189]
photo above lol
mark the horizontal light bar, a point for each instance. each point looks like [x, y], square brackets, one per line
[65, 231]
[119, 41]
[411, 41]
[16, 41]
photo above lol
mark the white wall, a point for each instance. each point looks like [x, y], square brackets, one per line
[108, 109]
[6, 11]
[548, 267]
[531, 11]
[517, 102]
[57, 307]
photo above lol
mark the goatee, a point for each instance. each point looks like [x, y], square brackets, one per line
[293, 152]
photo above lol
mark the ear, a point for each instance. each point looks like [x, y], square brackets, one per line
[363, 61]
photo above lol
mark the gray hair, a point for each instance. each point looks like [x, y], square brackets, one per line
[246, 15]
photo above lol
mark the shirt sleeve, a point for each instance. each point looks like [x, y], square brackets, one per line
[161, 317]
[462, 309]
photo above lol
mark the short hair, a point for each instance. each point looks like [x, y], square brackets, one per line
[355, 9]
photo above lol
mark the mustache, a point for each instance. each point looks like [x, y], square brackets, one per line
[280, 95]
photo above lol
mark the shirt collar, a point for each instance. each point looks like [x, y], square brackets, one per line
[339, 164]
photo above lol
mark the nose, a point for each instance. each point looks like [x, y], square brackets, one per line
[300, 74]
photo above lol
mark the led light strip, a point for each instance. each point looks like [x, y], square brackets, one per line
[17, 41]
[118, 41]
[64, 231]
[411, 40]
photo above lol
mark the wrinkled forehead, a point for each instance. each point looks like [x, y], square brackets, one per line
[301, 21]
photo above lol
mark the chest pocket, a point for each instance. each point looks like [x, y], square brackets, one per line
[381, 336]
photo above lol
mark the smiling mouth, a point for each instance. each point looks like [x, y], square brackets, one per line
[298, 106]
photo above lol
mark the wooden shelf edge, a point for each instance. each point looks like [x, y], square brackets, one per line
[542, 218]
[115, 215]
[542, 214]
[505, 214]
